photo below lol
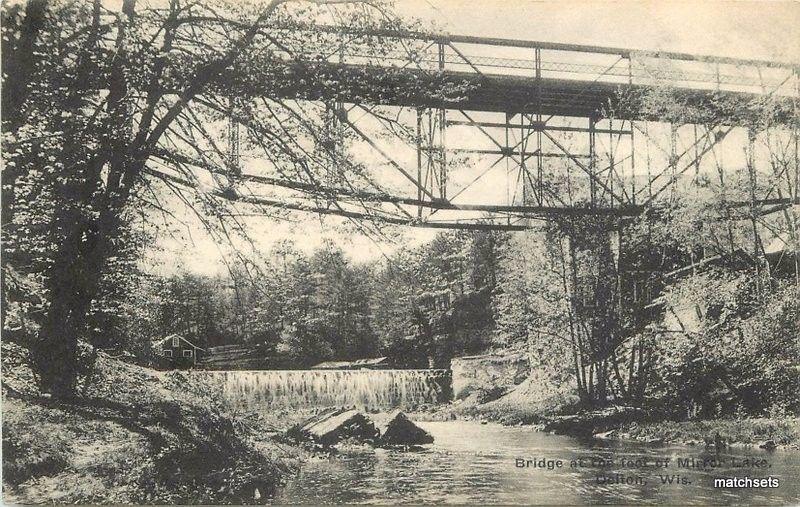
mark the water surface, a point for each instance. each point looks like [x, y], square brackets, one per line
[474, 463]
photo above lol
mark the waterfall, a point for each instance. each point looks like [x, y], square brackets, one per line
[367, 389]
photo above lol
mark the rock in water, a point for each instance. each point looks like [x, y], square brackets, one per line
[333, 426]
[321, 416]
[606, 435]
[299, 432]
[399, 430]
[768, 445]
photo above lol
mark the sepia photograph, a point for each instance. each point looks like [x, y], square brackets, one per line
[414, 252]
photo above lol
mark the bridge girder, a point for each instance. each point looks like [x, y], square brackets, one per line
[537, 118]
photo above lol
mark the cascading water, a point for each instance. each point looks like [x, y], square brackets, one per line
[368, 389]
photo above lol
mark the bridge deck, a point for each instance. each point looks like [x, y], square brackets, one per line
[506, 75]
[504, 93]
[500, 93]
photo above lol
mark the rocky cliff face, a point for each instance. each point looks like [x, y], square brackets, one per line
[488, 374]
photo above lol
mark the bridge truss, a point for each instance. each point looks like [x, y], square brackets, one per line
[537, 130]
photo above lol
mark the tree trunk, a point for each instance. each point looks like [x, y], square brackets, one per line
[72, 282]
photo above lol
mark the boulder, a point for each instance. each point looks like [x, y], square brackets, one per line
[398, 429]
[335, 425]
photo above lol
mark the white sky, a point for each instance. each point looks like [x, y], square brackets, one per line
[766, 29]
[755, 29]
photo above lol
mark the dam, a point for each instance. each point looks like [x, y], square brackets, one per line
[364, 389]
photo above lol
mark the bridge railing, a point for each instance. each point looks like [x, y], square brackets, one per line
[546, 60]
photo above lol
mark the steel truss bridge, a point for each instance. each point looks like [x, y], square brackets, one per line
[543, 129]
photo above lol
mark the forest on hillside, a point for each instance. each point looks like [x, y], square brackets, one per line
[668, 310]
[420, 306]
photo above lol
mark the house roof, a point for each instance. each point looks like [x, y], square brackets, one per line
[369, 362]
[175, 335]
[330, 365]
[349, 365]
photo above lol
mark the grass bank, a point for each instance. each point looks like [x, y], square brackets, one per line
[132, 435]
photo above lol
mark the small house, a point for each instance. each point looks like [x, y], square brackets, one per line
[177, 351]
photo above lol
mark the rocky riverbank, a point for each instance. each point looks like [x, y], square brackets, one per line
[629, 424]
[765, 433]
[546, 407]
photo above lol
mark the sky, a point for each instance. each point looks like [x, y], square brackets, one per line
[756, 29]
[761, 30]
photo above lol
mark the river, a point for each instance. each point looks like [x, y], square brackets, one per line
[476, 463]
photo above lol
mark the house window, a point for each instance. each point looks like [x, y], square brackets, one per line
[167, 353]
[176, 341]
[187, 353]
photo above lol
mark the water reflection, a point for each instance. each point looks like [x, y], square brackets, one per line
[474, 463]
